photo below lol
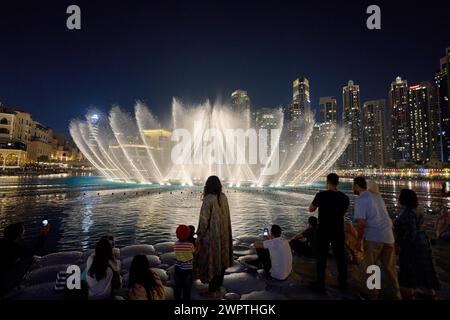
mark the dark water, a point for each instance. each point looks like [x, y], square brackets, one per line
[83, 208]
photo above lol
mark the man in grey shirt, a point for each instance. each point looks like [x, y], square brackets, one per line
[375, 228]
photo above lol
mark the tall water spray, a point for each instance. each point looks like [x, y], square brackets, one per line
[207, 139]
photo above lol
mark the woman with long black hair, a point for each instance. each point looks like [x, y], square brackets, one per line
[102, 271]
[143, 283]
[214, 251]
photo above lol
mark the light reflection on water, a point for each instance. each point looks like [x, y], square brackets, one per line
[79, 216]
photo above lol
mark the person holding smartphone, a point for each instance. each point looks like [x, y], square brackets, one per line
[275, 254]
[16, 255]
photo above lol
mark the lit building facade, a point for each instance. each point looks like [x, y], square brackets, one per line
[374, 141]
[351, 120]
[328, 110]
[240, 102]
[418, 106]
[398, 104]
[442, 97]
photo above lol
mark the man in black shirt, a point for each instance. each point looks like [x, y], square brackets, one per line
[332, 205]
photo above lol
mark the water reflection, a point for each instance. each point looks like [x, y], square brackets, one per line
[85, 208]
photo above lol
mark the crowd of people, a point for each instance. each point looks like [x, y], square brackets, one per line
[372, 238]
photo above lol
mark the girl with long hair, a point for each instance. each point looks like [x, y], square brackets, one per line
[143, 283]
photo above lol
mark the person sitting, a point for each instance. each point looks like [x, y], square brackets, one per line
[184, 254]
[304, 244]
[116, 251]
[16, 256]
[143, 283]
[275, 254]
[102, 272]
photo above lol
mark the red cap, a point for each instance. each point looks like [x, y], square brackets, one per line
[183, 232]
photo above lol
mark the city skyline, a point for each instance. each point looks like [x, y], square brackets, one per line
[114, 59]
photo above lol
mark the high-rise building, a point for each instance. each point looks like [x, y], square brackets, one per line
[328, 110]
[443, 96]
[351, 119]
[299, 110]
[301, 95]
[434, 126]
[398, 104]
[240, 102]
[419, 105]
[267, 118]
[374, 142]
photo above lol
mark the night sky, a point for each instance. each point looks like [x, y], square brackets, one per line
[152, 51]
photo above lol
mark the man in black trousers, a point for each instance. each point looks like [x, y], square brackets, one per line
[332, 204]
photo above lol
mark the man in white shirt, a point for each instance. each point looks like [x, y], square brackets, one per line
[375, 228]
[275, 254]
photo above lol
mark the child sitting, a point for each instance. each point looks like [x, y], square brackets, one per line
[184, 250]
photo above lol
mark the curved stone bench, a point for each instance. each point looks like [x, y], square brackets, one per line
[43, 291]
[242, 283]
[153, 260]
[43, 275]
[168, 258]
[133, 250]
[70, 257]
[164, 247]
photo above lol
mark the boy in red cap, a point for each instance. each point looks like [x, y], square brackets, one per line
[184, 254]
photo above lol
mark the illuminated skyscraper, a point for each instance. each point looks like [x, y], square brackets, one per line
[419, 105]
[351, 119]
[240, 102]
[328, 110]
[398, 104]
[299, 109]
[374, 141]
[301, 101]
[443, 89]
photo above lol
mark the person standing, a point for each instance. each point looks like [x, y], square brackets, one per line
[332, 205]
[214, 247]
[183, 250]
[415, 255]
[375, 229]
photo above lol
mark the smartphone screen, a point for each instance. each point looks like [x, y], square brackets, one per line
[266, 232]
[44, 223]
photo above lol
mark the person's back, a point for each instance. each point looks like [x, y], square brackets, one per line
[102, 274]
[280, 257]
[332, 208]
[332, 205]
[98, 288]
[378, 225]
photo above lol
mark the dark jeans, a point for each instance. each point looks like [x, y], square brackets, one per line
[183, 284]
[216, 282]
[264, 259]
[302, 248]
[335, 237]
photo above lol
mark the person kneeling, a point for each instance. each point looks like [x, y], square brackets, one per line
[275, 254]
